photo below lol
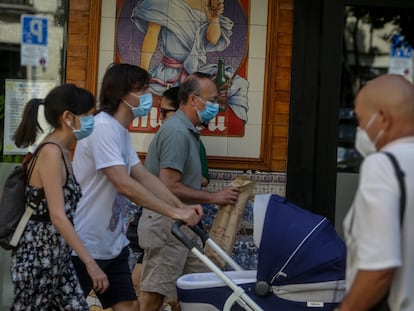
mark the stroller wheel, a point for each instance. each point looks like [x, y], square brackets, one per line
[262, 288]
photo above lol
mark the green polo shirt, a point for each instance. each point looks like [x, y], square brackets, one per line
[176, 145]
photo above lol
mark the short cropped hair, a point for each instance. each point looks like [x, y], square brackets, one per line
[191, 85]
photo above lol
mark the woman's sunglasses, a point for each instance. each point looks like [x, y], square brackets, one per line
[164, 111]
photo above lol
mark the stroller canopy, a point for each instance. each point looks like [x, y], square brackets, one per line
[301, 266]
[296, 246]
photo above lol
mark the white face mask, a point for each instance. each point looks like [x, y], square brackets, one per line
[363, 143]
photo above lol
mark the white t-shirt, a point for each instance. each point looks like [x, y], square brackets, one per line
[372, 225]
[99, 218]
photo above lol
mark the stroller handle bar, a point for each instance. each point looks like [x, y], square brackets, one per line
[239, 296]
[201, 233]
[176, 231]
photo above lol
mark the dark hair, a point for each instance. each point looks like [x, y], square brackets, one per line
[61, 98]
[172, 95]
[119, 79]
[191, 85]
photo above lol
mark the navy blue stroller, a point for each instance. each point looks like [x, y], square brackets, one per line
[301, 265]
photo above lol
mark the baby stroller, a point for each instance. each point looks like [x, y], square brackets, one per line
[301, 265]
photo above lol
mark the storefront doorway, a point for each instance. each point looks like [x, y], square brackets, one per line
[338, 46]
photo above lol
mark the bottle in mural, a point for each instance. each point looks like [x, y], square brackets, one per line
[223, 83]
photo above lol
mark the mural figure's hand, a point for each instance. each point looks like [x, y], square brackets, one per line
[220, 7]
[213, 9]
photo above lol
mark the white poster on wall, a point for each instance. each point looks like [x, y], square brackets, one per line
[17, 94]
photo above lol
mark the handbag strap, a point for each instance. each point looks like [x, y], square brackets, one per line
[400, 177]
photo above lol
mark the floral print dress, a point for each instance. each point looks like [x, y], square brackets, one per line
[42, 272]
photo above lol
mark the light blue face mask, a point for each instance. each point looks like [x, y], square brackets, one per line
[144, 107]
[209, 112]
[86, 128]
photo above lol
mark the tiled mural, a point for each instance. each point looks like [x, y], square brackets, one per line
[174, 38]
[244, 61]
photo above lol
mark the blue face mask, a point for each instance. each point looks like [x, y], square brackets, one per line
[209, 112]
[144, 107]
[86, 128]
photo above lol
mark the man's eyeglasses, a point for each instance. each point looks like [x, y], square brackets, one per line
[164, 111]
[214, 99]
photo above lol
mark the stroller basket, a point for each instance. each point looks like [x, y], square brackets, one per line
[301, 265]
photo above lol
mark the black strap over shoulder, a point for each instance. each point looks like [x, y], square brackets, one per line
[382, 305]
[400, 176]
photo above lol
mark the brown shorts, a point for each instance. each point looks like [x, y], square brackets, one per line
[165, 257]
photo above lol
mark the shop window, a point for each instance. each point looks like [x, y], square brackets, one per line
[376, 40]
[23, 76]
[32, 60]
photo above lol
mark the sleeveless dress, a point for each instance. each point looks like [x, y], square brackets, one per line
[42, 272]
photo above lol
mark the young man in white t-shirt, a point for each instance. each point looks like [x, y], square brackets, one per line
[110, 173]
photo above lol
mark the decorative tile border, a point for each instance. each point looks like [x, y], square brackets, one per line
[265, 182]
[244, 250]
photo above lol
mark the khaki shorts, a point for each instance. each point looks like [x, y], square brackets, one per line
[165, 257]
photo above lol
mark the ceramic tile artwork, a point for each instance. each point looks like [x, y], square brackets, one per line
[252, 31]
